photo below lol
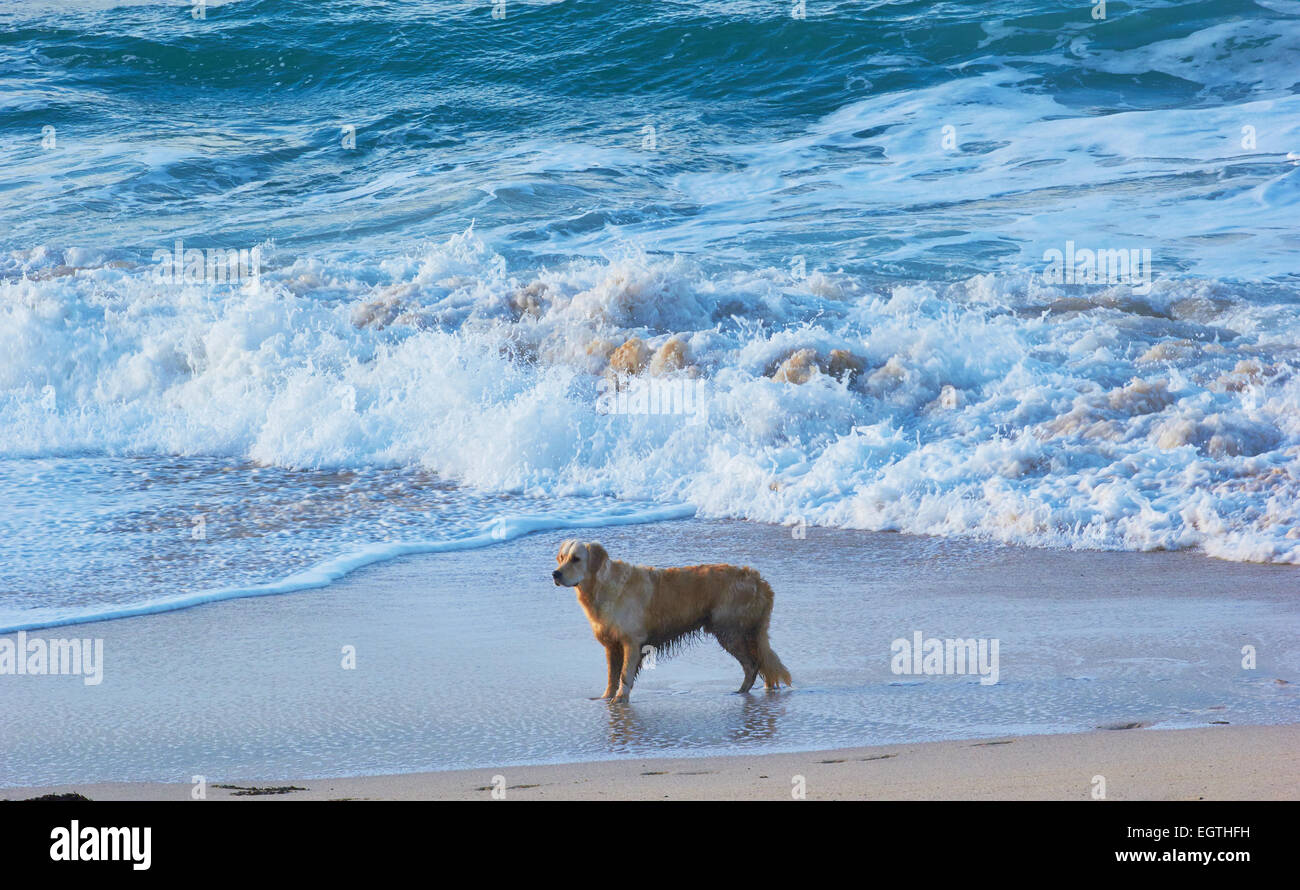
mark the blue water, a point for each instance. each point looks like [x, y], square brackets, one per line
[774, 136]
[459, 216]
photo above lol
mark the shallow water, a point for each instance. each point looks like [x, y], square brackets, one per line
[475, 659]
[99, 537]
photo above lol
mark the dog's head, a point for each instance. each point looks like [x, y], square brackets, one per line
[578, 563]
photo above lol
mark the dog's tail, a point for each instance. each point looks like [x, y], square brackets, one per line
[769, 665]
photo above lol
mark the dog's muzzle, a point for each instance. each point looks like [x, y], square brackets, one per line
[555, 576]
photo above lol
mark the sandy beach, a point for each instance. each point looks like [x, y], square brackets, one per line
[467, 664]
[1219, 763]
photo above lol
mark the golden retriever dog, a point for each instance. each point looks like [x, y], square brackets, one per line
[631, 607]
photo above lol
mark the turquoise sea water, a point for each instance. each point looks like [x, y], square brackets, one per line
[458, 214]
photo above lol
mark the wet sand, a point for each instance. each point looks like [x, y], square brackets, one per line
[1219, 763]
[474, 660]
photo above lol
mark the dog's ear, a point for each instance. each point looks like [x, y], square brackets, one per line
[596, 557]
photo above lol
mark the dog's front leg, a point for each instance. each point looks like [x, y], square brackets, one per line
[614, 660]
[631, 663]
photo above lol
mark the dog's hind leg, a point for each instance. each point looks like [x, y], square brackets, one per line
[739, 648]
[773, 671]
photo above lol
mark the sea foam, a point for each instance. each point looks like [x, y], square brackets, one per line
[996, 406]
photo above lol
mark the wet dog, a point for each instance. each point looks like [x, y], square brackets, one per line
[632, 608]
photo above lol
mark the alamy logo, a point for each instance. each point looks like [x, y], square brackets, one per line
[956, 657]
[90, 844]
[213, 265]
[1130, 266]
[625, 394]
[68, 657]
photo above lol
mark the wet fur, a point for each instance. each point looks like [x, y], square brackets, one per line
[630, 607]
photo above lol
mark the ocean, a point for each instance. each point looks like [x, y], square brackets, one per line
[289, 288]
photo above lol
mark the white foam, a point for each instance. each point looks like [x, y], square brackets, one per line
[505, 528]
[998, 406]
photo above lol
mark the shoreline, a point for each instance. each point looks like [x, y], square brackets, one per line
[1208, 763]
[452, 660]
